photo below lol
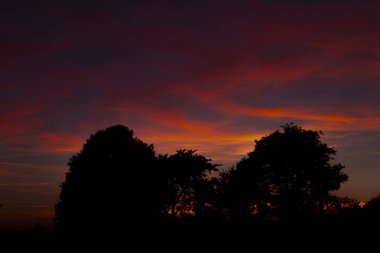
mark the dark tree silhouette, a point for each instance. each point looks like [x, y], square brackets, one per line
[187, 187]
[289, 174]
[110, 183]
[239, 192]
[372, 210]
[374, 204]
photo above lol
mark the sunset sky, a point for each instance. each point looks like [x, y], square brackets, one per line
[201, 74]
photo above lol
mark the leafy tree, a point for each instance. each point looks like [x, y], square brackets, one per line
[110, 182]
[288, 174]
[372, 210]
[187, 186]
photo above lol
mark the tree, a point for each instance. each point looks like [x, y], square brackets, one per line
[290, 173]
[372, 210]
[374, 204]
[110, 182]
[187, 186]
[239, 192]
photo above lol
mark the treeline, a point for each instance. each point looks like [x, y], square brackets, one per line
[118, 181]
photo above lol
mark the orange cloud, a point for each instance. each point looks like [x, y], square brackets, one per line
[59, 142]
[293, 113]
[48, 143]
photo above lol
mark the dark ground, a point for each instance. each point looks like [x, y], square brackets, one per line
[305, 237]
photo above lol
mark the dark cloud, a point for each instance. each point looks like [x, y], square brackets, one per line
[17, 5]
[316, 2]
[309, 93]
[89, 54]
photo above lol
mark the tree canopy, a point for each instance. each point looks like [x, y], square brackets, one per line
[290, 173]
[109, 182]
[185, 175]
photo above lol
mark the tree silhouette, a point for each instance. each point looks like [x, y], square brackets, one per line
[374, 203]
[116, 181]
[372, 210]
[289, 174]
[187, 187]
[110, 183]
[241, 193]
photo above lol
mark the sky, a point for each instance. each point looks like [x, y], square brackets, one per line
[207, 75]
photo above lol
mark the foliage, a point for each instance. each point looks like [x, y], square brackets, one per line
[109, 182]
[187, 186]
